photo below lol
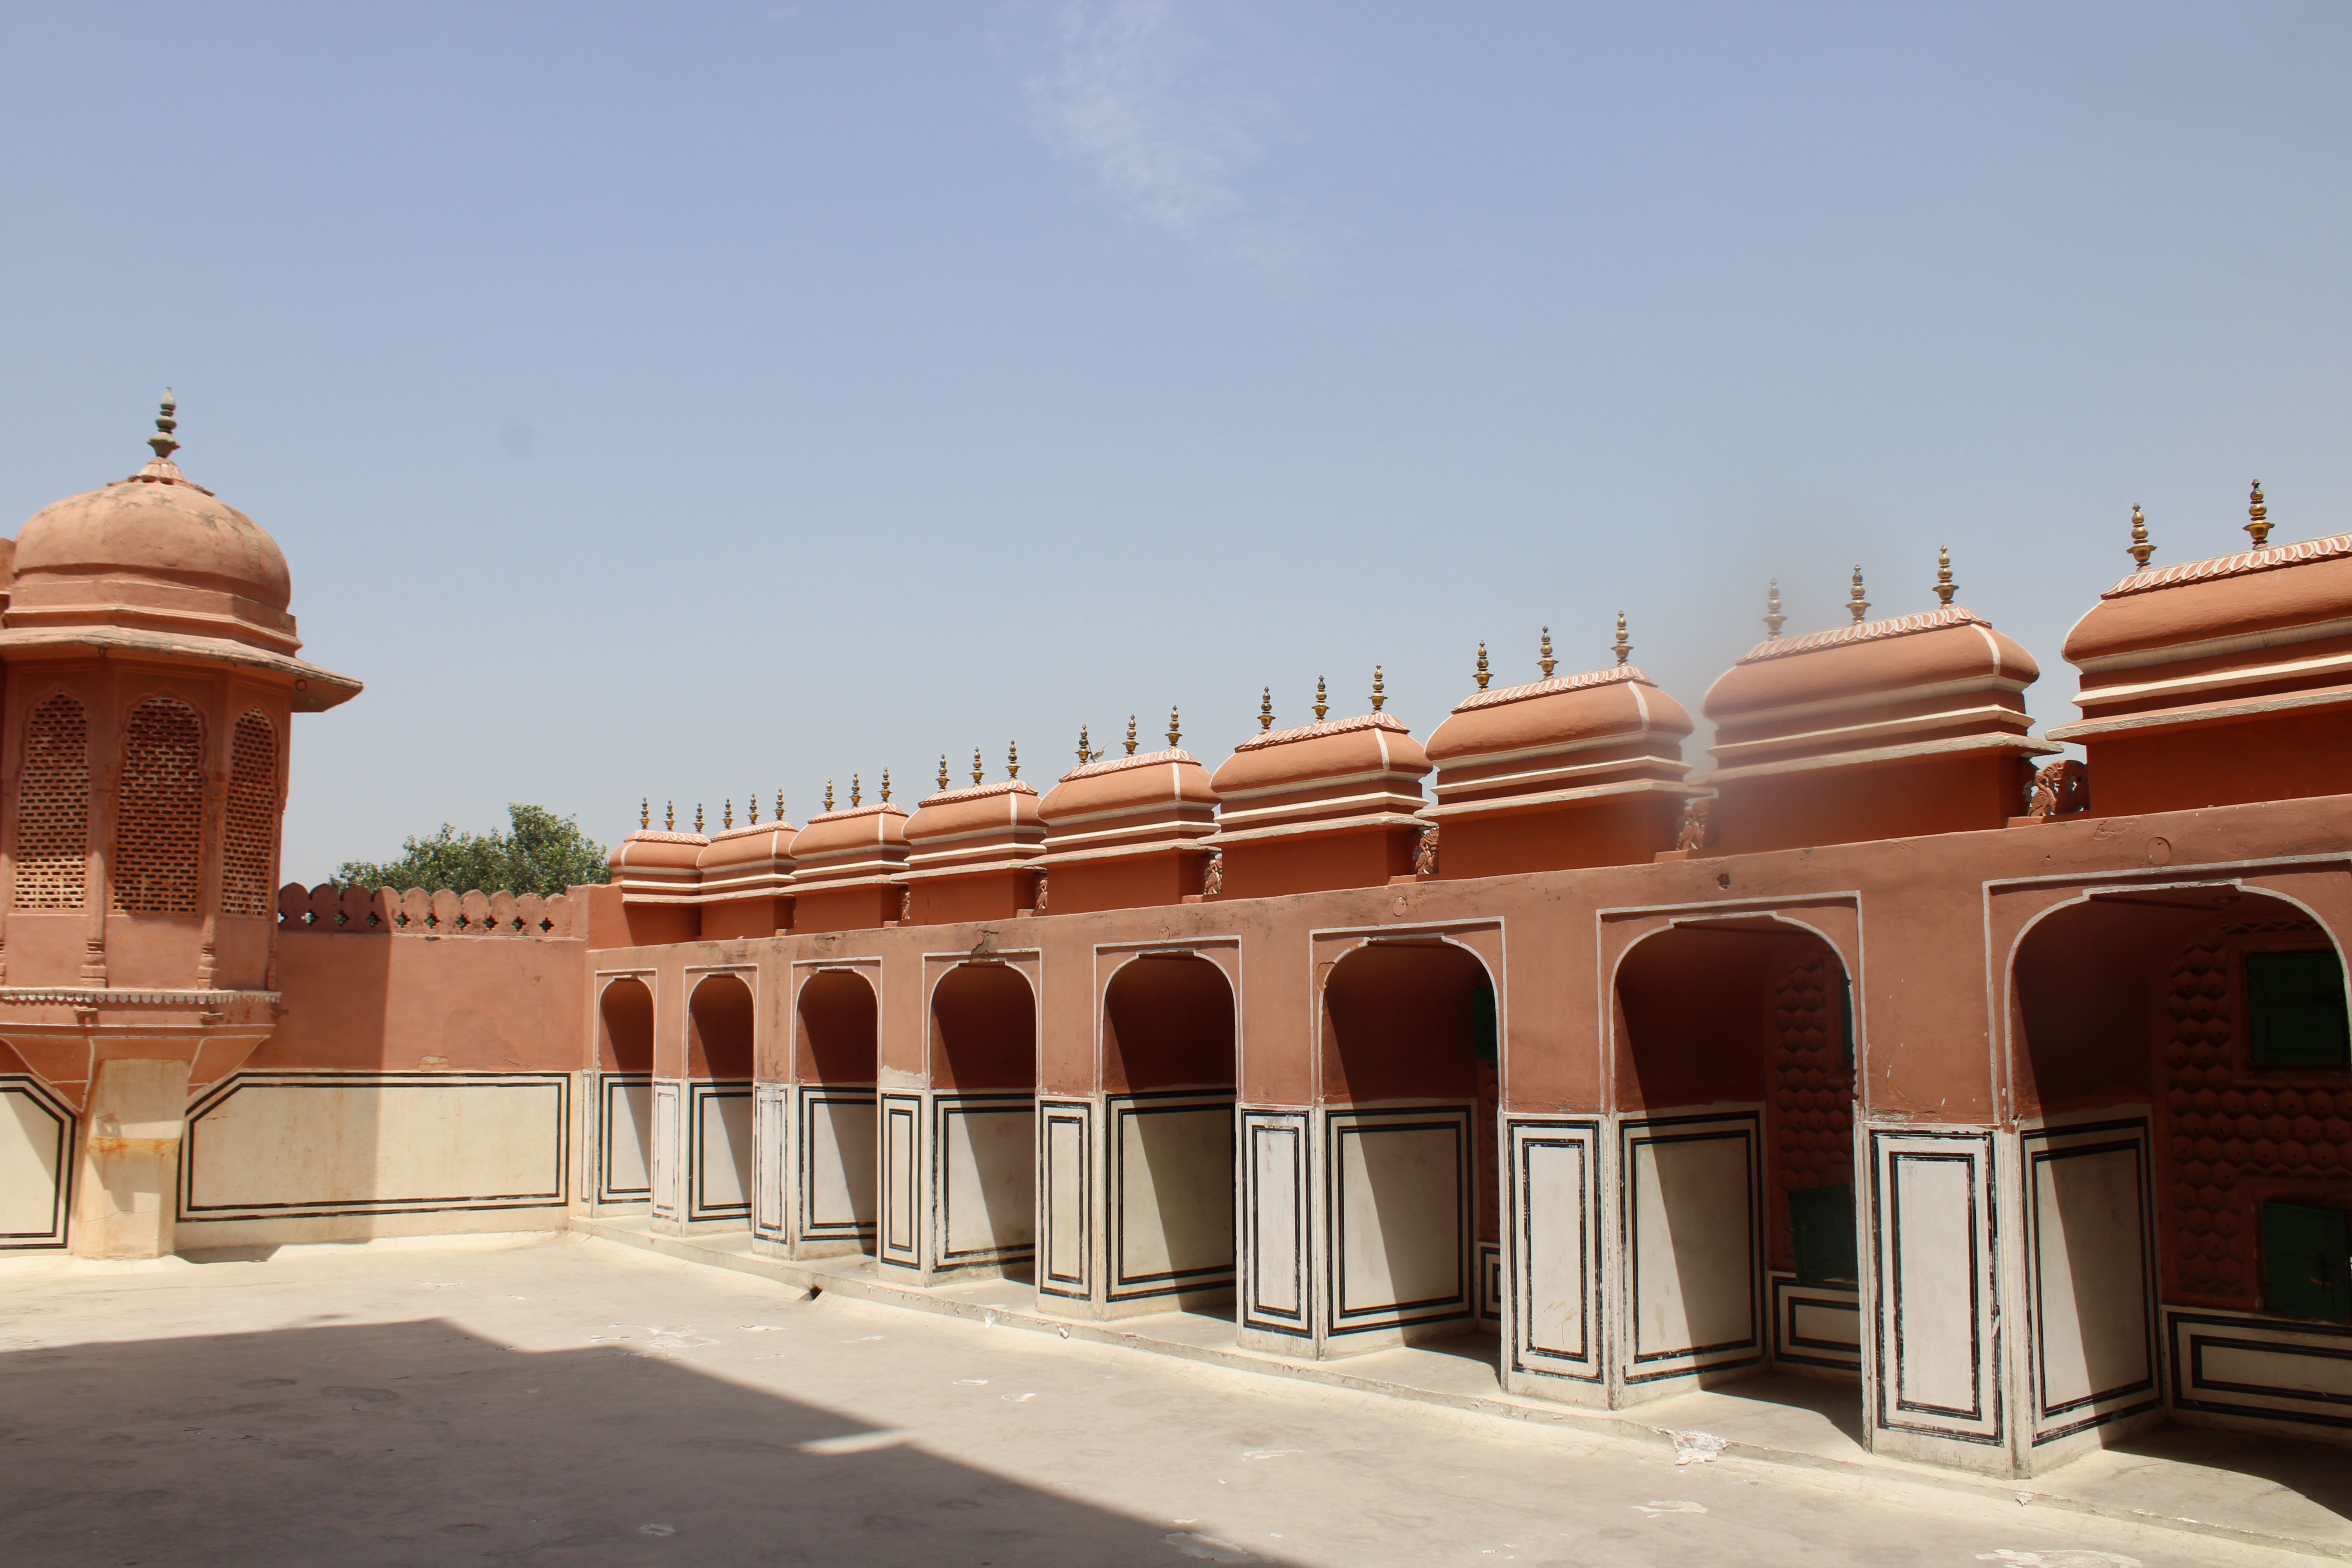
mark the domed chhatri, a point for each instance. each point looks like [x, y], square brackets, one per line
[1884, 729]
[971, 852]
[1128, 832]
[745, 877]
[2219, 680]
[1567, 770]
[160, 556]
[1326, 804]
[849, 867]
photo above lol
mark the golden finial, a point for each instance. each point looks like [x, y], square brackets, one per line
[1856, 605]
[1130, 734]
[1085, 755]
[1265, 709]
[1544, 660]
[2258, 517]
[697, 817]
[1174, 734]
[828, 797]
[751, 806]
[886, 786]
[729, 822]
[1625, 650]
[2140, 548]
[645, 813]
[1013, 759]
[943, 774]
[979, 770]
[780, 806]
[1483, 673]
[1322, 701]
[1945, 587]
[669, 817]
[1379, 692]
[163, 440]
[856, 791]
[1773, 619]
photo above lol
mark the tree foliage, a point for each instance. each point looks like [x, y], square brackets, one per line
[542, 853]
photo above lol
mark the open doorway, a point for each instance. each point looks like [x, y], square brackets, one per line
[2183, 1084]
[836, 1076]
[1168, 1081]
[719, 1067]
[984, 1078]
[624, 1100]
[1410, 1062]
[1735, 1090]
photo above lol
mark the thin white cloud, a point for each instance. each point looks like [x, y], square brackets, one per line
[1139, 96]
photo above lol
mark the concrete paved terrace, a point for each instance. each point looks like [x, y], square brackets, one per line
[553, 1400]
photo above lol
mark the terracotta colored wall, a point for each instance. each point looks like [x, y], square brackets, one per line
[1602, 833]
[1399, 1023]
[719, 1028]
[1168, 1022]
[985, 1023]
[394, 1002]
[2291, 756]
[625, 1027]
[836, 1020]
[1943, 795]
[1311, 862]
[1692, 1010]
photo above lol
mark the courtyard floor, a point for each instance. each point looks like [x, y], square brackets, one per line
[558, 1399]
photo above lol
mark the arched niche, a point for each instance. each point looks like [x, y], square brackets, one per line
[984, 1029]
[836, 1019]
[1168, 1024]
[624, 1026]
[720, 1032]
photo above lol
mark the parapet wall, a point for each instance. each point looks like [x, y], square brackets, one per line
[380, 911]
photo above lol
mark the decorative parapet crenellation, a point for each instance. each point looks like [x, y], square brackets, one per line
[385, 911]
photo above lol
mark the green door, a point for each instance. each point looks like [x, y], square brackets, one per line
[2305, 1270]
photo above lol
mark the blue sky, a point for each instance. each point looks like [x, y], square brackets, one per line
[690, 401]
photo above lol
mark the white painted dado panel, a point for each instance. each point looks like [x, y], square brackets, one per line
[1554, 1170]
[1816, 1327]
[772, 1160]
[2090, 1257]
[624, 1114]
[1936, 1283]
[1068, 1155]
[985, 1178]
[288, 1144]
[36, 1137]
[2268, 1373]
[666, 1170]
[718, 1115]
[837, 1144]
[901, 1176]
[1273, 1221]
[1694, 1243]
[1172, 1193]
[1399, 1217]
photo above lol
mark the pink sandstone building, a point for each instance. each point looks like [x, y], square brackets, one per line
[1877, 1047]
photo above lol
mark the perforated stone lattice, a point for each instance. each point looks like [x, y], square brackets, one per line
[2235, 1134]
[53, 806]
[159, 824]
[252, 818]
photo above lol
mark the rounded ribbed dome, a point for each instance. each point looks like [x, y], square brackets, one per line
[2243, 596]
[653, 849]
[1172, 779]
[1332, 749]
[155, 550]
[1931, 653]
[1608, 707]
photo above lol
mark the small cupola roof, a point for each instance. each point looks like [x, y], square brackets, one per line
[750, 861]
[157, 558]
[1601, 729]
[1129, 803]
[1361, 770]
[657, 865]
[982, 826]
[863, 842]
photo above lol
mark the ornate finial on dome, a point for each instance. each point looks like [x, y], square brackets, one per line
[645, 813]
[1773, 619]
[728, 821]
[856, 791]
[752, 807]
[979, 770]
[1856, 605]
[2140, 548]
[164, 443]
[1086, 754]
[697, 817]
[1483, 673]
[1544, 660]
[2258, 517]
[1945, 587]
[1380, 691]
[780, 806]
[1322, 701]
[669, 817]
[828, 795]
[1130, 734]
[1175, 735]
[1013, 759]
[886, 786]
[943, 774]
[1624, 650]
[1265, 709]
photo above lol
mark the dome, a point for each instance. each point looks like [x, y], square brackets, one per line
[1333, 752]
[653, 850]
[860, 842]
[1561, 730]
[755, 845]
[155, 549]
[2248, 596]
[1165, 785]
[990, 811]
[1941, 679]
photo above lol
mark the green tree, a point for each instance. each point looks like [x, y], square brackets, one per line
[543, 854]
